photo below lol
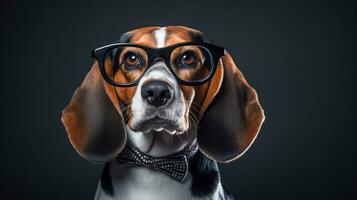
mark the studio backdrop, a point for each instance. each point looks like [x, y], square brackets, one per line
[298, 55]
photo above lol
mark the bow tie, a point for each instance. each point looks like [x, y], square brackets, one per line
[175, 165]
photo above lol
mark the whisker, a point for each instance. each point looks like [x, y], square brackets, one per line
[195, 103]
[127, 118]
[191, 119]
[195, 118]
[122, 110]
[189, 127]
[180, 138]
[194, 110]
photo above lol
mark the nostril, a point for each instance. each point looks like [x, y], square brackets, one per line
[165, 94]
[156, 93]
[147, 93]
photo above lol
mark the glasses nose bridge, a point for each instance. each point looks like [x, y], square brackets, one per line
[157, 59]
[158, 55]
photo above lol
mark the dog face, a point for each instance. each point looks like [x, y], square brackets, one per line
[158, 102]
[226, 108]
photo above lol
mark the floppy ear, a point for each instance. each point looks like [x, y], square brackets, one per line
[94, 125]
[233, 119]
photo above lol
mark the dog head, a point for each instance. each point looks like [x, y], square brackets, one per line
[223, 113]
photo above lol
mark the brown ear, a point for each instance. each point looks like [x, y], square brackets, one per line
[94, 126]
[233, 119]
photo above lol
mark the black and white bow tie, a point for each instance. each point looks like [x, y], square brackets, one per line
[175, 165]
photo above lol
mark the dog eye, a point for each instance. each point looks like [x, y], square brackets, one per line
[132, 60]
[189, 59]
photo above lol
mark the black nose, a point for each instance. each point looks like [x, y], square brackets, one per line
[156, 93]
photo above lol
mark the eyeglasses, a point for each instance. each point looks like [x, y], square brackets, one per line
[123, 64]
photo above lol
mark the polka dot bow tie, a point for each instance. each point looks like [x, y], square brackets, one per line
[175, 165]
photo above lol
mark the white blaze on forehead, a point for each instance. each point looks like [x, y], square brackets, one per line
[160, 36]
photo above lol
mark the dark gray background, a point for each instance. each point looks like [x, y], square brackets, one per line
[300, 57]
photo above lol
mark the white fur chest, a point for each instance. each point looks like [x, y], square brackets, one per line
[131, 183]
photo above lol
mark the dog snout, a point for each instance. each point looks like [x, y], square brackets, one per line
[157, 93]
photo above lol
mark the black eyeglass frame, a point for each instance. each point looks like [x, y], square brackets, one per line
[164, 53]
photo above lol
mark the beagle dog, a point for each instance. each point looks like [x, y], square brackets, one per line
[160, 108]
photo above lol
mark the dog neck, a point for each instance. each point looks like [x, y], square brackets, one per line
[202, 180]
[158, 144]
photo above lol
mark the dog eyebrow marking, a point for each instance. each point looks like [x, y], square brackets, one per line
[160, 36]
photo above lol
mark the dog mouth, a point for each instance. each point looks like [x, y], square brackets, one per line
[159, 125]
